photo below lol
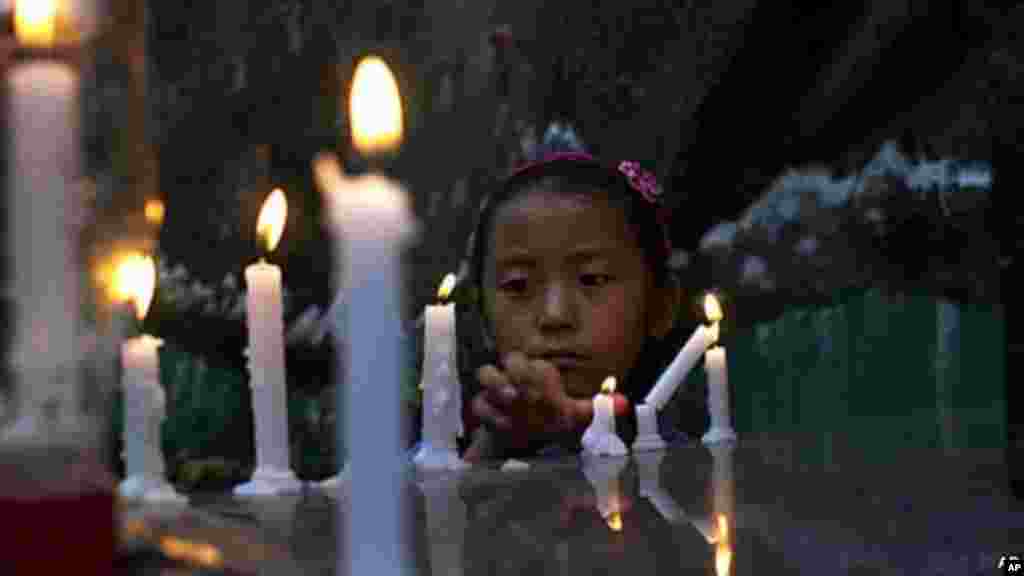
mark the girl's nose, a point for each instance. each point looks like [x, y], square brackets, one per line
[558, 310]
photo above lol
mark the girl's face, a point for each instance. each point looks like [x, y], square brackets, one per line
[566, 281]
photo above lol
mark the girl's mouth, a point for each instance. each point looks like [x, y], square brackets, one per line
[564, 361]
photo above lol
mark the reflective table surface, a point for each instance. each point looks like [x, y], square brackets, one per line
[787, 505]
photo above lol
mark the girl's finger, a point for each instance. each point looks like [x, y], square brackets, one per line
[488, 414]
[547, 374]
[517, 367]
[496, 385]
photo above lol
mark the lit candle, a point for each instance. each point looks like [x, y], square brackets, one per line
[703, 337]
[442, 395]
[718, 397]
[603, 475]
[265, 320]
[371, 215]
[600, 438]
[144, 402]
[43, 164]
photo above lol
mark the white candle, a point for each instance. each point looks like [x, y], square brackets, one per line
[604, 413]
[647, 436]
[666, 385]
[265, 320]
[442, 396]
[144, 402]
[371, 214]
[42, 241]
[718, 388]
[600, 438]
[144, 408]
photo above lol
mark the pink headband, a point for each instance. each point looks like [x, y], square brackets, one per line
[640, 180]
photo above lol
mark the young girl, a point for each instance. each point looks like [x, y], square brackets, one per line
[568, 262]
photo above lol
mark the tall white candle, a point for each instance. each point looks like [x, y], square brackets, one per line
[685, 360]
[718, 396]
[265, 319]
[144, 408]
[42, 168]
[442, 395]
[371, 214]
[371, 217]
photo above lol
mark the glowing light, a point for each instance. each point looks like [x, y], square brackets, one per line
[447, 285]
[135, 281]
[723, 558]
[712, 309]
[154, 211]
[35, 22]
[375, 108]
[608, 386]
[270, 223]
[723, 551]
[614, 522]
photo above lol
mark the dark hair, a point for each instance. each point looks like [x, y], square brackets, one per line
[575, 175]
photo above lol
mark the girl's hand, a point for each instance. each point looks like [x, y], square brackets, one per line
[525, 402]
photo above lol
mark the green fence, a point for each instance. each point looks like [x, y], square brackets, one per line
[881, 371]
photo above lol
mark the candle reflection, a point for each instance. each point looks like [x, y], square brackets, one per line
[603, 474]
[649, 476]
[724, 502]
[446, 525]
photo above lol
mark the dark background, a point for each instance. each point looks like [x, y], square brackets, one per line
[717, 98]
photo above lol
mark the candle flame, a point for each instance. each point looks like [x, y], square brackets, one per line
[614, 522]
[608, 386]
[712, 309]
[35, 22]
[135, 281]
[154, 211]
[447, 285]
[270, 223]
[723, 528]
[375, 108]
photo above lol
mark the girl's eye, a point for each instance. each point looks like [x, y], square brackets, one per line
[595, 280]
[514, 286]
